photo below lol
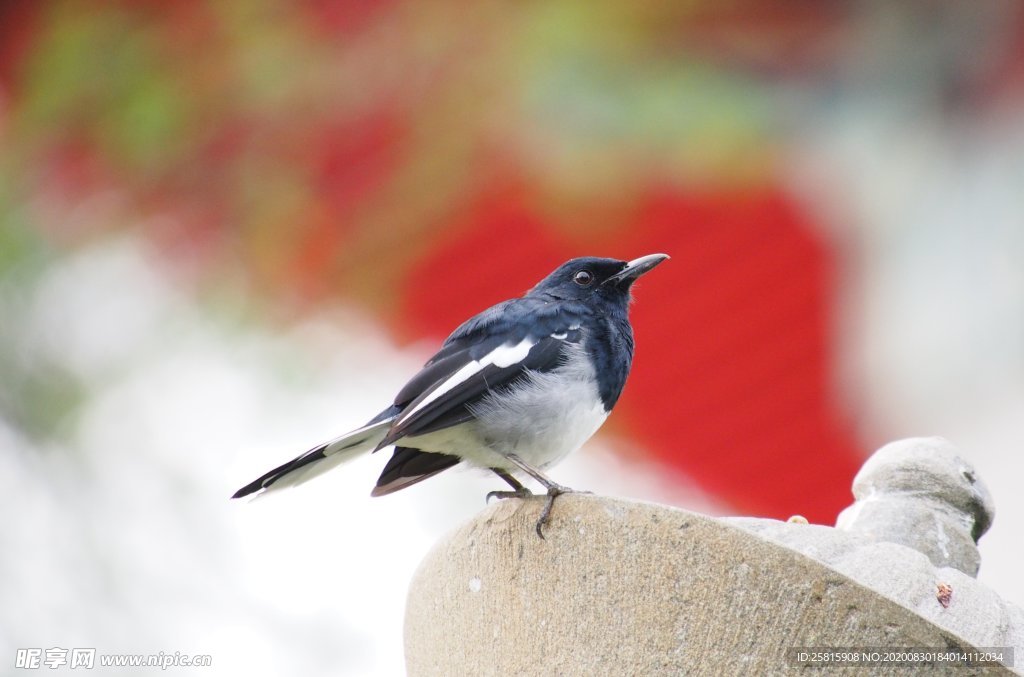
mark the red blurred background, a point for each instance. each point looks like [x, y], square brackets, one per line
[426, 161]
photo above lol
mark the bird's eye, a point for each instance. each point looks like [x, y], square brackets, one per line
[583, 278]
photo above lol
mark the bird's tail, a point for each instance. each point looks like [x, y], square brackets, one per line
[320, 459]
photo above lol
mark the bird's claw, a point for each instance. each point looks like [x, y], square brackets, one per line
[518, 493]
[554, 491]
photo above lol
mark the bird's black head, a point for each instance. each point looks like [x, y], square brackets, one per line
[595, 278]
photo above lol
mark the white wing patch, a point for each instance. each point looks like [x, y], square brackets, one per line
[564, 334]
[503, 356]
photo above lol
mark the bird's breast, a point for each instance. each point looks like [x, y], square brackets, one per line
[546, 415]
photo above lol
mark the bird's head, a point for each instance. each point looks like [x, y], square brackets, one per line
[590, 277]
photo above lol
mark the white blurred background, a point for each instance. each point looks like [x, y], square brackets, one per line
[199, 267]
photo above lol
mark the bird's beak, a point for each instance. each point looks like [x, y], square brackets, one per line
[635, 269]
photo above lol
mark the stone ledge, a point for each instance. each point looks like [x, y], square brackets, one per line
[621, 587]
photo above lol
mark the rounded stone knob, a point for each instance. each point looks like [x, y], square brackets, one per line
[919, 492]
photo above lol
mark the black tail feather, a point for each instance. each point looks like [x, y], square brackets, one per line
[311, 456]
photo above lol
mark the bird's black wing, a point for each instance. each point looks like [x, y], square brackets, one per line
[488, 352]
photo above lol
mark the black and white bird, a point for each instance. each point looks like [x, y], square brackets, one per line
[515, 389]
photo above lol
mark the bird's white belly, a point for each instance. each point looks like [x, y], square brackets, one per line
[542, 420]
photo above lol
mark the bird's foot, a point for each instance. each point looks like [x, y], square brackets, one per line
[521, 492]
[554, 491]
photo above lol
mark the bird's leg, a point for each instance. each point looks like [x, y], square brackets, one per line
[518, 490]
[554, 490]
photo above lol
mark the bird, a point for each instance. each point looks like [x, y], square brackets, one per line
[514, 389]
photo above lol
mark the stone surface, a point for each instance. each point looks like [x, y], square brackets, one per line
[620, 587]
[905, 576]
[921, 493]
